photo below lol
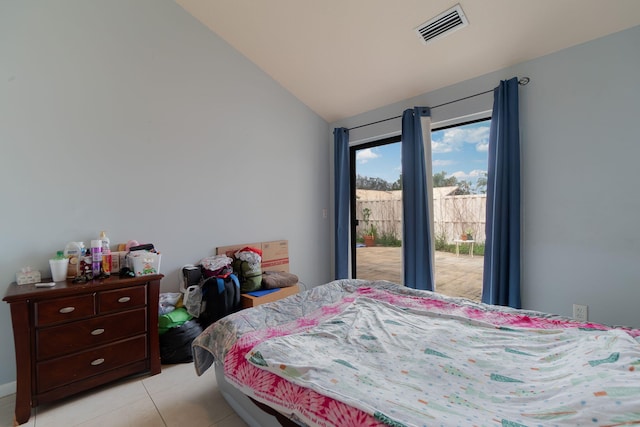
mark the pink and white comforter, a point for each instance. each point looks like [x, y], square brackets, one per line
[374, 353]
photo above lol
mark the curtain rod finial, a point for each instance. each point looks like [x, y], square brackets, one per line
[524, 81]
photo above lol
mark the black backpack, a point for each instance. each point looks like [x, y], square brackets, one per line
[220, 297]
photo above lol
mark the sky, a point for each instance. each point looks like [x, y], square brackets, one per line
[460, 151]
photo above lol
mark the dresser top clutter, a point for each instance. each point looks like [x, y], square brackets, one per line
[16, 292]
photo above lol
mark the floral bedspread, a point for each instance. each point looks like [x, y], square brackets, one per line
[375, 353]
[215, 341]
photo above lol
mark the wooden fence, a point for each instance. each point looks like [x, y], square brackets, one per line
[452, 215]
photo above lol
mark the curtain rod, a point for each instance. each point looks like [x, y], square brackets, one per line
[522, 82]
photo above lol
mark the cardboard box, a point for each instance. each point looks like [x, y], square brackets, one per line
[248, 301]
[275, 254]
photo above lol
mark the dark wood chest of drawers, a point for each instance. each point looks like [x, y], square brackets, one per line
[73, 337]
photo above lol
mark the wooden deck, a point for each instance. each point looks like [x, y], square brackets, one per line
[459, 276]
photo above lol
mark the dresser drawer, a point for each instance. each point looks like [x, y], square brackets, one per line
[64, 309]
[122, 299]
[78, 366]
[82, 334]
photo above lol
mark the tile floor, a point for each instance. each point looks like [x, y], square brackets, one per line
[176, 397]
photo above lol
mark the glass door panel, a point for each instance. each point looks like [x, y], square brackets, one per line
[459, 162]
[376, 211]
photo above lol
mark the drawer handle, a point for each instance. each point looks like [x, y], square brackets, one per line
[66, 310]
[98, 331]
[97, 362]
[124, 299]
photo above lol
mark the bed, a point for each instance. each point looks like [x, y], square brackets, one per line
[361, 353]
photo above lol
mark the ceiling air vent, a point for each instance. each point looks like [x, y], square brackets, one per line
[442, 25]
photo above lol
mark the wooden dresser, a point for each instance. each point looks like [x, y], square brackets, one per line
[76, 336]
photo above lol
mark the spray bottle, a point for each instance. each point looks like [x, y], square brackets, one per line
[96, 258]
[106, 254]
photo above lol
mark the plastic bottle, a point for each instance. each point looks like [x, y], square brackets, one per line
[96, 258]
[73, 251]
[106, 242]
[106, 254]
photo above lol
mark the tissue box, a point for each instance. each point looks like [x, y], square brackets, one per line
[27, 276]
[144, 263]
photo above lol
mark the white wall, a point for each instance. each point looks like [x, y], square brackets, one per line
[580, 155]
[132, 117]
[580, 151]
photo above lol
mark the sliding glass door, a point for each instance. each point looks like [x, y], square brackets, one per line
[459, 167]
[376, 210]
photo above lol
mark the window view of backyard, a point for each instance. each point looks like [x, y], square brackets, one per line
[459, 164]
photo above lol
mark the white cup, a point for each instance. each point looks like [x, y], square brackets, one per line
[59, 269]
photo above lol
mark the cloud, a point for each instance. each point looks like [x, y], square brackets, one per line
[477, 173]
[471, 176]
[454, 138]
[363, 156]
[441, 147]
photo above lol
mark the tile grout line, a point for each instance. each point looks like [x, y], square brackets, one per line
[154, 403]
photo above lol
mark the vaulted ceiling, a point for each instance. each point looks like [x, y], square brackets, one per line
[345, 57]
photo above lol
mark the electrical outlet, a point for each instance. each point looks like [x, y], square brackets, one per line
[580, 312]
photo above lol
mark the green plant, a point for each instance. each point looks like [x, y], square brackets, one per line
[441, 241]
[478, 248]
[469, 233]
[367, 230]
[389, 240]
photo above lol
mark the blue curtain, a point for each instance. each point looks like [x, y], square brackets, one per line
[341, 204]
[416, 237]
[501, 281]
